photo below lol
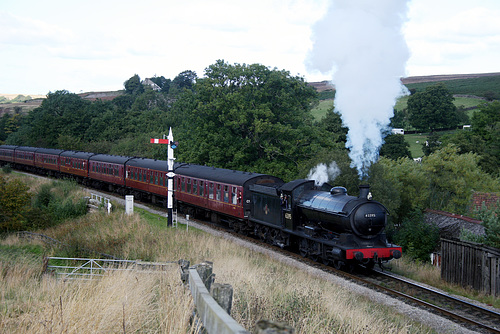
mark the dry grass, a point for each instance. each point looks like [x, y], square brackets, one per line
[431, 275]
[121, 302]
[264, 288]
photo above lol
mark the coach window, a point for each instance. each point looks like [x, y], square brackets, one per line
[188, 189]
[211, 190]
[195, 187]
[218, 193]
[226, 194]
[183, 185]
[202, 189]
[233, 195]
[156, 178]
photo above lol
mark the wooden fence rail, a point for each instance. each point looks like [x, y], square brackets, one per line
[471, 265]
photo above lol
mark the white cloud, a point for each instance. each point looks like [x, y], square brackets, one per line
[95, 45]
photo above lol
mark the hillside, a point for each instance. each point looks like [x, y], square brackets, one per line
[464, 80]
[473, 84]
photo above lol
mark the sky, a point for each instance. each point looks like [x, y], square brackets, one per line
[84, 46]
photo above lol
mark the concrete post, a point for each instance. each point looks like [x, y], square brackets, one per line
[223, 295]
[129, 204]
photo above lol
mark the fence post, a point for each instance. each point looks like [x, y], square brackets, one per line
[205, 270]
[184, 267]
[223, 295]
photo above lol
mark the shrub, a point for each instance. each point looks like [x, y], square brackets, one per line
[491, 223]
[7, 169]
[417, 238]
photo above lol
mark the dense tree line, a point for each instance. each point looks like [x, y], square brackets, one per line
[254, 118]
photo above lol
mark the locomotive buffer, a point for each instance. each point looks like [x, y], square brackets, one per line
[170, 175]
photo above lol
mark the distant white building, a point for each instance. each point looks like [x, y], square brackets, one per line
[150, 83]
[398, 131]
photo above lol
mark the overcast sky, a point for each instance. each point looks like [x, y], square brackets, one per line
[96, 45]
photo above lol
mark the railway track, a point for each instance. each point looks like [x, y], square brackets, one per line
[464, 313]
[469, 315]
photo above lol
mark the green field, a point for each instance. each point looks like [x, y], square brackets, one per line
[415, 141]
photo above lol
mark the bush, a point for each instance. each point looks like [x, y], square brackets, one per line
[53, 204]
[491, 223]
[7, 169]
[14, 202]
[417, 238]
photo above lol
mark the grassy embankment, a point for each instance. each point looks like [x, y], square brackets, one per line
[133, 302]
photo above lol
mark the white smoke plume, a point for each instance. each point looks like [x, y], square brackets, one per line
[361, 45]
[322, 173]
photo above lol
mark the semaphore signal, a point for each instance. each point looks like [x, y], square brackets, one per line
[170, 175]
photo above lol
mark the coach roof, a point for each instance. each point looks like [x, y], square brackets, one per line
[220, 174]
[113, 159]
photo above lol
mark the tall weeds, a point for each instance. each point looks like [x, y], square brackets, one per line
[133, 302]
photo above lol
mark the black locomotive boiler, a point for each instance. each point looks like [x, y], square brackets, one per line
[330, 226]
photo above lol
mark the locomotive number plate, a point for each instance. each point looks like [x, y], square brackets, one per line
[370, 215]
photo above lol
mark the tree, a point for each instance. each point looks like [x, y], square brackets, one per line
[417, 238]
[184, 80]
[249, 117]
[332, 124]
[395, 147]
[61, 113]
[453, 177]
[400, 184]
[14, 203]
[491, 223]
[133, 86]
[432, 109]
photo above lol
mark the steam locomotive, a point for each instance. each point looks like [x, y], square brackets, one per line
[325, 224]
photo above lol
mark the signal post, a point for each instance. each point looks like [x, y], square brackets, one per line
[170, 174]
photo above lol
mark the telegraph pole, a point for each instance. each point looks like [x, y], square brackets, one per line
[170, 174]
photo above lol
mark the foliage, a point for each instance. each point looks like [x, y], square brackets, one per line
[467, 235]
[249, 117]
[53, 204]
[402, 185]
[133, 86]
[432, 144]
[453, 177]
[491, 223]
[332, 125]
[395, 147]
[417, 238]
[14, 203]
[61, 113]
[7, 169]
[184, 80]
[432, 109]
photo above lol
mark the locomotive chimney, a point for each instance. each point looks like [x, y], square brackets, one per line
[364, 191]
